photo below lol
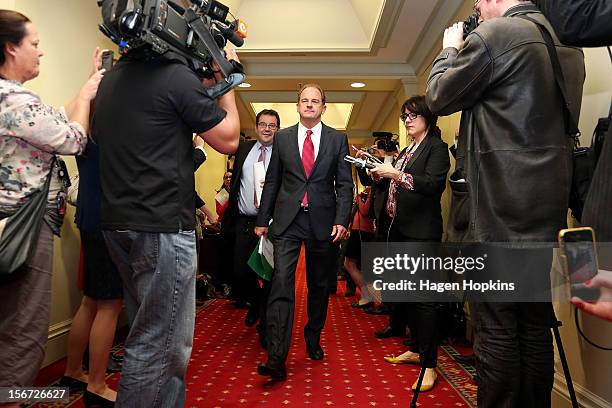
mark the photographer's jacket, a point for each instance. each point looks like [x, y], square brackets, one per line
[514, 149]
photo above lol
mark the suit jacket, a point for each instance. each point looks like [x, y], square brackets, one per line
[229, 217]
[329, 187]
[419, 213]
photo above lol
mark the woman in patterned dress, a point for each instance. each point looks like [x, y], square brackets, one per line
[31, 134]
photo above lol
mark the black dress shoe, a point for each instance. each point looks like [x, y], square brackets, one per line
[252, 317]
[72, 383]
[92, 400]
[470, 359]
[360, 305]
[387, 332]
[315, 352]
[276, 372]
[380, 310]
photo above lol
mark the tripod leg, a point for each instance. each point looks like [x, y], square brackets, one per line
[568, 377]
[415, 395]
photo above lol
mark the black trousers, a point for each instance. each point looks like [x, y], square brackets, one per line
[245, 241]
[321, 261]
[514, 354]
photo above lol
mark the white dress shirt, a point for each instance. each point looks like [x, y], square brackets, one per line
[316, 137]
[246, 203]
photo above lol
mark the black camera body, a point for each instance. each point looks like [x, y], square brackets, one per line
[470, 24]
[385, 141]
[162, 28]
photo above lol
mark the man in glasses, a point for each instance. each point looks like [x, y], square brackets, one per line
[240, 216]
[515, 154]
[308, 194]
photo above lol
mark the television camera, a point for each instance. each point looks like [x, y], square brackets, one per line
[194, 35]
[386, 141]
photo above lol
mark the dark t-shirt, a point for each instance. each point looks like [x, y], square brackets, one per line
[145, 115]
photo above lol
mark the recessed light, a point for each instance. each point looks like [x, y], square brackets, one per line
[358, 84]
[244, 85]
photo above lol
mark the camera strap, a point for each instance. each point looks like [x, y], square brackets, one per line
[570, 123]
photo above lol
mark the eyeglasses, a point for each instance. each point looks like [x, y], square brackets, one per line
[411, 116]
[476, 7]
[271, 126]
[227, 177]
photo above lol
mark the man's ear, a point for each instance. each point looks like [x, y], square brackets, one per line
[324, 109]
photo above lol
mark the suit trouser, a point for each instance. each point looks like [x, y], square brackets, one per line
[514, 354]
[321, 259]
[245, 242]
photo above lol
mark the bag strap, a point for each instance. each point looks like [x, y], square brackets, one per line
[48, 182]
[570, 124]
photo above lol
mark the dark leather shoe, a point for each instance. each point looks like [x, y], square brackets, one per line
[72, 383]
[380, 310]
[470, 359]
[276, 372]
[251, 318]
[386, 333]
[315, 352]
[360, 305]
[92, 400]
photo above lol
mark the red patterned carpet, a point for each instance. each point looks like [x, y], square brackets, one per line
[222, 372]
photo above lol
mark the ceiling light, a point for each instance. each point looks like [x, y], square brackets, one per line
[358, 84]
[244, 85]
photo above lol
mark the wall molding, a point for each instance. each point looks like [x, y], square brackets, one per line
[586, 398]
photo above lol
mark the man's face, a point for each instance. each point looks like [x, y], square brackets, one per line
[311, 105]
[266, 129]
[487, 9]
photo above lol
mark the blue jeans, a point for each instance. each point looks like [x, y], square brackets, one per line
[158, 273]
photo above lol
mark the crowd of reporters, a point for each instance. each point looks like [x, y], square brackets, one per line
[500, 77]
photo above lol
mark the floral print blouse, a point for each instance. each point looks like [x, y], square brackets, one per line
[31, 132]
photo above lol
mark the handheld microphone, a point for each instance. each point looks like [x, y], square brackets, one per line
[359, 163]
[231, 35]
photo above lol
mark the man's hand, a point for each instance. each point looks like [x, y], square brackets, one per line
[603, 307]
[198, 141]
[385, 170]
[259, 231]
[453, 36]
[339, 233]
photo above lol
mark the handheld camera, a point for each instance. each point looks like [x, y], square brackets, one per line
[194, 35]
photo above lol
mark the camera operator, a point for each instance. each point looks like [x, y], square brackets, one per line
[145, 114]
[517, 166]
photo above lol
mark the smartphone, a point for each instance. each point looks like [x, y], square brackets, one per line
[579, 257]
[107, 60]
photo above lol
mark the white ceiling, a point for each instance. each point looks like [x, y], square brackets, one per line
[383, 43]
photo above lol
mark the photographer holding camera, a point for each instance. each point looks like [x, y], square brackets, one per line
[145, 114]
[515, 152]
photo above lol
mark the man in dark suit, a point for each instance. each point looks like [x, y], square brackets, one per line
[240, 216]
[308, 194]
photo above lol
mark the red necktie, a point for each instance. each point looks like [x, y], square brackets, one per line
[307, 160]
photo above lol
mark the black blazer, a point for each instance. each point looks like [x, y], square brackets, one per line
[419, 213]
[330, 185]
[229, 218]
